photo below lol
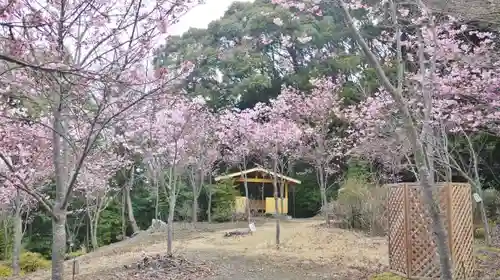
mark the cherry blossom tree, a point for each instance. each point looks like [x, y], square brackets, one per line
[24, 165]
[235, 131]
[423, 161]
[278, 140]
[94, 184]
[164, 145]
[464, 79]
[16, 204]
[423, 164]
[319, 114]
[203, 152]
[81, 64]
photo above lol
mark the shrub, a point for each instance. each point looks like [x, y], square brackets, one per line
[361, 206]
[5, 271]
[224, 201]
[31, 262]
[221, 213]
[479, 233]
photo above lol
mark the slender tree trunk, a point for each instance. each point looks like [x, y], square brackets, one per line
[130, 209]
[93, 239]
[18, 235]
[171, 209]
[245, 184]
[87, 234]
[197, 184]
[6, 237]
[195, 209]
[170, 221]
[247, 200]
[157, 203]
[484, 217]
[209, 210]
[93, 236]
[282, 197]
[124, 220]
[277, 218]
[479, 190]
[130, 212]
[93, 229]
[322, 189]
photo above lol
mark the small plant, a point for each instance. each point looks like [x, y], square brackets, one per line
[479, 233]
[30, 262]
[5, 270]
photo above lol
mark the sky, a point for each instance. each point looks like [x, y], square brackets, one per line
[202, 15]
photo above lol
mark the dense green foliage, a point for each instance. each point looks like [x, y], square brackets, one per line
[245, 57]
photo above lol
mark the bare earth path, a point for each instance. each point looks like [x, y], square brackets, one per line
[307, 251]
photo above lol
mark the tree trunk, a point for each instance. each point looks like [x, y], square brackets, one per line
[247, 200]
[197, 184]
[195, 209]
[6, 237]
[170, 221]
[93, 230]
[18, 235]
[124, 221]
[479, 190]
[486, 225]
[209, 210]
[157, 203]
[276, 210]
[58, 244]
[322, 189]
[282, 198]
[130, 210]
[437, 223]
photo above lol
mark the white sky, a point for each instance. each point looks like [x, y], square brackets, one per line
[202, 15]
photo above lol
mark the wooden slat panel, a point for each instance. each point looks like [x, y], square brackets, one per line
[412, 249]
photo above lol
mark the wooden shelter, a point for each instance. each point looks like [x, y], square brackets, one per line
[261, 190]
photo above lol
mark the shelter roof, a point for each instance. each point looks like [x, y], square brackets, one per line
[257, 169]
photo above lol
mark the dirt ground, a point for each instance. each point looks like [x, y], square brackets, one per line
[307, 251]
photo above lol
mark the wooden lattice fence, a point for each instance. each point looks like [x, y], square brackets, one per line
[412, 250]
